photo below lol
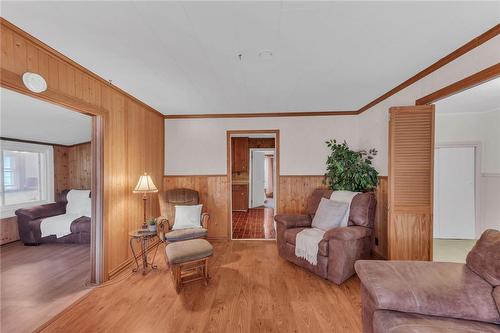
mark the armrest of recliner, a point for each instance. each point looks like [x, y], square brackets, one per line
[347, 233]
[293, 221]
[41, 211]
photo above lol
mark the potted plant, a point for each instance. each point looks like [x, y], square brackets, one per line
[151, 222]
[350, 170]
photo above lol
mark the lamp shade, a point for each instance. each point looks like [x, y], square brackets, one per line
[145, 185]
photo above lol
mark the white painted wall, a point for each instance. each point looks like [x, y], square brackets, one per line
[482, 128]
[198, 146]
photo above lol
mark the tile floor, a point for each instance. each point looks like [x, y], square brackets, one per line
[256, 223]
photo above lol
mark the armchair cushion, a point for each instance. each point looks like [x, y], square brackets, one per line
[184, 234]
[484, 258]
[362, 211]
[348, 233]
[398, 322]
[187, 217]
[293, 221]
[429, 288]
[329, 214]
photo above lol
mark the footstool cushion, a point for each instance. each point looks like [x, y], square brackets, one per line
[189, 250]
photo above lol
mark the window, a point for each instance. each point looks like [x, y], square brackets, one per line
[27, 175]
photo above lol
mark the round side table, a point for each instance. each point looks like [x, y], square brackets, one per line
[144, 237]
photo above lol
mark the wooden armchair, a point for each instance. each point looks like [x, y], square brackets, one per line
[168, 200]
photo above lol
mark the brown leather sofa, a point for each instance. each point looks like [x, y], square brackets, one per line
[340, 247]
[29, 219]
[422, 296]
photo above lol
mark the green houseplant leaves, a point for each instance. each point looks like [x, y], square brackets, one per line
[350, 170]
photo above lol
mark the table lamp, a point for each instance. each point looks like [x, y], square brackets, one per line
[145, 185]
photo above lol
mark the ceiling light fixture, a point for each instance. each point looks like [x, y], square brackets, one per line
[266, 54]
[34, 82]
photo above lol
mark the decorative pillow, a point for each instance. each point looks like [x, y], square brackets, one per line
[187, 217]
[330, 214]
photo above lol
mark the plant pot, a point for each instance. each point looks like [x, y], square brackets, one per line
[152, 227]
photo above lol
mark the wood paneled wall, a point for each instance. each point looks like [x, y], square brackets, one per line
[133, 132]
[72, 167]
[294, 192]
[214, 197]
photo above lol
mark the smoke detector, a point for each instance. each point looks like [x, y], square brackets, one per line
[34, 82]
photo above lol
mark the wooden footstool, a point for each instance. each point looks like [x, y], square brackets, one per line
[189, 261]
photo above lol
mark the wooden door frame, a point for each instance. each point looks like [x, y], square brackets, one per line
[468, 82]
[97, 269]
[229, 133]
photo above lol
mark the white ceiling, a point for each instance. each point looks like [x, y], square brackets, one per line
[26, 118]
[181, 57]
[482, 98]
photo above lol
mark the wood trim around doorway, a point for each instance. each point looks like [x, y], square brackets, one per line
[229, 133]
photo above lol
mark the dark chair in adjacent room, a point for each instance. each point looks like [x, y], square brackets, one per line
[340, 247]
[30, 219]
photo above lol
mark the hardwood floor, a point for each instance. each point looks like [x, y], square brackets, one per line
[256, 223]
[38, 282]
[251, 290]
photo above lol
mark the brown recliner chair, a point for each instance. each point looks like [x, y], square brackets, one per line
[168, 200]
[423, 296]
[340, 247]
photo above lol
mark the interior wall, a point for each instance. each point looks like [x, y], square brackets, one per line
[72, 167]
[133, 133]
[482, 128]
[198, 146]
[373, 123]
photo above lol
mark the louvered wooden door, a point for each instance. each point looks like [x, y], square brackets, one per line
[411, 156]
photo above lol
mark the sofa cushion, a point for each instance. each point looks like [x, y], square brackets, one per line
[399, 322]
[291, 236]
[430, 288]
[362, 211]
[484, 258]
[184, 234]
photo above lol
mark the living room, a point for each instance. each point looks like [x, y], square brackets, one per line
[195, 74]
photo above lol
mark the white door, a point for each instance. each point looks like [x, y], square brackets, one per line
[454, 193]
[258, 179]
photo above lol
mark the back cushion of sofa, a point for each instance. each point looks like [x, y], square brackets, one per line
[484, 258]
[362, 211]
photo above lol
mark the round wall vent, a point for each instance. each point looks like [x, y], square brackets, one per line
[34, 82]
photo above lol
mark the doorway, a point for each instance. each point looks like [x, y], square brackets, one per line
[253, 170]
[44, 163]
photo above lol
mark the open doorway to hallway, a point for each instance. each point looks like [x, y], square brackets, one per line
[253, 185]
[466, 170]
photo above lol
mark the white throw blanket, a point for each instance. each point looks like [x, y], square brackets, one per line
[59, 225]
[307, 241]
[79, 204]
